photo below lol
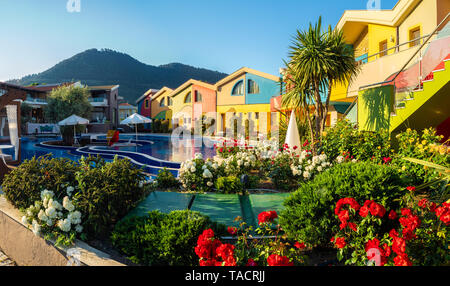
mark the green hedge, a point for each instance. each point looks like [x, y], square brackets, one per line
[162, 239]
[107, 192]
[23, 185]
[309, 212]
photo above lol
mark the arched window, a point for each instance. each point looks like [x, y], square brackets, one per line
[162, 103]
[198, 96]
[187, 99]
[252, 87]
[169, 101]
[238, 89]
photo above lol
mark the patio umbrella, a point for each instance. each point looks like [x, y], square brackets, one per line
[136, 119]
[292, 135]
[73, 120]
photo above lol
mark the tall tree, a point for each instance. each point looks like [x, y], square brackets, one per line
[318, 60]
[64, 102]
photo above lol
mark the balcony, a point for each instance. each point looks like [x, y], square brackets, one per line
[98, 101]
[35, 101]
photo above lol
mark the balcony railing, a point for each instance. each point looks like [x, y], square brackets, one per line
[33, 100]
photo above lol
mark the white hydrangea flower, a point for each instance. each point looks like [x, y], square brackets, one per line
[25, 220]
[69, 190]
[198, 156]
[42, 216]
[36, 227]
[210, 184]
[64, 225]
[67, 204]
[306, 175]
[193, 169]
[51, 212]
[78, 228]
[207, 174]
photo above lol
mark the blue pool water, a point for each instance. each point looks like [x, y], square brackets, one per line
[152, 147]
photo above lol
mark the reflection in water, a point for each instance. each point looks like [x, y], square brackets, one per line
[162, 148]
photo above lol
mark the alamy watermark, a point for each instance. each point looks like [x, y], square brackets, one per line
[73, 6]
[374, 5]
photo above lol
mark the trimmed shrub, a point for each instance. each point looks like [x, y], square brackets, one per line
[23, 185]
[309, 212]
[165, 179]
[162, 239]
[229, 185]
[107, 192]
[344, 138]
[156, 126]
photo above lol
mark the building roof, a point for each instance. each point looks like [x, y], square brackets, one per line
[189, 83]
[126, 105]
[352, 22]
[49, 87]
[161, 91]
[148, 92]
[104, 87]
[245, 70]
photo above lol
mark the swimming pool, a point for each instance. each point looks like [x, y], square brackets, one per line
[152, 152]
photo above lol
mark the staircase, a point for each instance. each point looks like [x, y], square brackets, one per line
[425, 105]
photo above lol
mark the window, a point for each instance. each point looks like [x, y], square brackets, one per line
[198, 96]
[169, 101]
[383, 48]
[238, 89]
[414, 36]
[146, 103]
[162, 103]
[187, 99]
[252, 87]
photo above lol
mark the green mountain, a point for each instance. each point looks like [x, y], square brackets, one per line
[107, 67]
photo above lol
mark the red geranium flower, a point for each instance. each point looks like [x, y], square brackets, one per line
[411, 189]
[340, 242]
[267, 217]
[402, 260]
[364, 211]
[232, 230]
[353, 226]
[278, 260]
[377, 209]
[392, 215]
[300, 245]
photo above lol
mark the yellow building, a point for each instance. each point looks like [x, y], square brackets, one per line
[384, 40]
[161, 104]
[401, 51]
[246, 94]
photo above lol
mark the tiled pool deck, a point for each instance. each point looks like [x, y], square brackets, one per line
[221, 208]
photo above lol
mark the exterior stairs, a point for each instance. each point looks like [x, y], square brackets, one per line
[425, 105]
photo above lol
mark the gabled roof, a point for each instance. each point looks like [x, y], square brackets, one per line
[49, 87]
[189, 83]
[146, 94]
[161, 92]
[104, 87]
[354, 21]
[245, 70]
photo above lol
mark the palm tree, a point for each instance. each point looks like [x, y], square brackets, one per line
[318, 60]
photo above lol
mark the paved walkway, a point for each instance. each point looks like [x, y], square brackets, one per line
[5, 261]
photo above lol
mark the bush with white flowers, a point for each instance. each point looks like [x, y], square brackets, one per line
[54, 218]
[240, 163]
[198, 174]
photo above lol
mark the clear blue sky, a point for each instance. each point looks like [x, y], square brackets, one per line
[222, 35]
